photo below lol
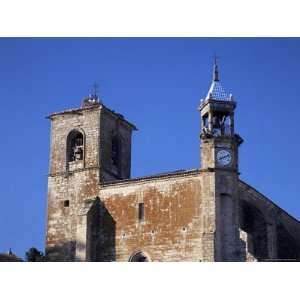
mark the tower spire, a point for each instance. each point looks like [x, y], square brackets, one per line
[216, 71]
[216, 91]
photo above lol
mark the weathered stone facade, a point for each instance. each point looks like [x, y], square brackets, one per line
[97, 213]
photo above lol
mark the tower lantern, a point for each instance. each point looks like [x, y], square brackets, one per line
[217, 110]
[217, 124]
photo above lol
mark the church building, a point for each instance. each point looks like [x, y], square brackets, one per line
[97, 212]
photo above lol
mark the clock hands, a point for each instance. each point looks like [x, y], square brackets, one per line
[224, 156]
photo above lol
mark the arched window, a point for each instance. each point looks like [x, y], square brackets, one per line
[116, 151]
[139, 257]
[75, 146]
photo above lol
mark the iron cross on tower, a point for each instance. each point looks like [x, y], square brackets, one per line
[95, 90]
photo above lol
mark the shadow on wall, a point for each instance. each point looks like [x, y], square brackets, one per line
[100, 243]
[101, 233]
[286, 246]
[254, 223]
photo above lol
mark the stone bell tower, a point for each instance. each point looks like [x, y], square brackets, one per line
[90, 145]
[219, 159]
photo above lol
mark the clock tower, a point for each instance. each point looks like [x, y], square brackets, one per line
[219, 160]
[219, 142]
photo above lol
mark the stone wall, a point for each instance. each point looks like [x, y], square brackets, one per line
[180, 220]
[112, 126]
[170, 230]
[86, 121]
[268, 231]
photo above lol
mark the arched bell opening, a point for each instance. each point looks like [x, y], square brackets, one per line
[75, 146]
[139, 257]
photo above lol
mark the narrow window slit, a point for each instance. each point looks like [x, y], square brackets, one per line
[141, 212]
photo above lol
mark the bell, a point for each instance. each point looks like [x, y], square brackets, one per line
[216, 122]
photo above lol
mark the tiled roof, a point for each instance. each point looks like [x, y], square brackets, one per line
[217, 92]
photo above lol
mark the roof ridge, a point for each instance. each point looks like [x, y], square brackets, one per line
[148, 177]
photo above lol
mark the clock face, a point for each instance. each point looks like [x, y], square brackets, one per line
[224, 157]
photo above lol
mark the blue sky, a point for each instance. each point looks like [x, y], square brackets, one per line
[157, 84]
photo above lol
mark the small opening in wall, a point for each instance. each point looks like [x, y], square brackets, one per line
[66, 203]
[141, 212]
[183, 228]
[116, 151]
[225, 194]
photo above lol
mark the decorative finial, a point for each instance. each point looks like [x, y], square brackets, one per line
[93, 98]
[216, 71]
[94, 95]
